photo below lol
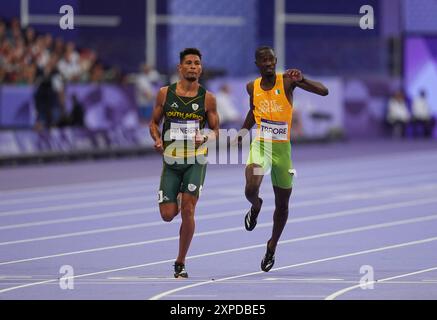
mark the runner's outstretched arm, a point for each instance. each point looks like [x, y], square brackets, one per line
[308, 85]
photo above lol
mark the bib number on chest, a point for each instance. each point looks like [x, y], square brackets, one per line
[274, 130]
[183, 130]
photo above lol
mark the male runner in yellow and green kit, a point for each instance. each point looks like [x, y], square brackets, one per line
[271, 108]
[185, 107]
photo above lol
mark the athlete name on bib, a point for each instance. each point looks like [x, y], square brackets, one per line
[183, 129]
[274, 130]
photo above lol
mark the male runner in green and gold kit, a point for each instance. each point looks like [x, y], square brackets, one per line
[185, 107]
[271, 109]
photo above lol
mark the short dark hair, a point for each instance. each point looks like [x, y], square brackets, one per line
[259, 50]
[188, 51]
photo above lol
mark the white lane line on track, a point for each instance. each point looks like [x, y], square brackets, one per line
[108, 184]
[338, 198]
[335, 214]
[324, 167]
[372, 161]
[212, 185]
[193, 295]
[147, 187]
[285, 279]
[399, 245]
[57, 208]
[343, 291]
[306, 238]
[294, 296]
[141, 186]
[75, 196]
[337, 185]
[83, 218]
[156, 281]
[307, 191]
[348, 196]
[134, 187]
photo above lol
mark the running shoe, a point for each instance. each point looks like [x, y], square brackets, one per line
[249, 220]
[269, 260]
[179, 270]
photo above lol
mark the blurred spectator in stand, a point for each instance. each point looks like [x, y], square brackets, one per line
[29, 36]
[87, 60]
[146, 84]
[227, 112]
[2, 31]
[115, 75]
[49, 96]
[398, 117]
[48, 41]
[69, 66]
[15, 60]
[97, 72]
[28, 75]
[41, 51]
[2, 73]
[5, 60]
[58, 47]
[423, 121]
[15, 32]
[21, 52]
[77, 113]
